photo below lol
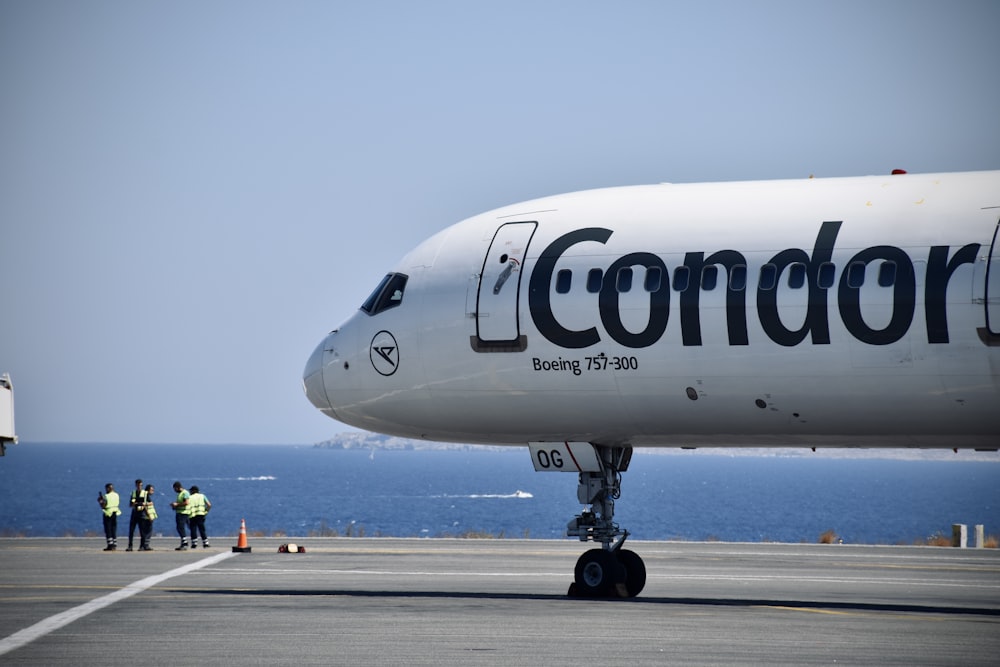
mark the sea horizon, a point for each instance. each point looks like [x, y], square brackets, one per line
[374, 441]
[298, 490]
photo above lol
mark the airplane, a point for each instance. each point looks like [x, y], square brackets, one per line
[818, 312]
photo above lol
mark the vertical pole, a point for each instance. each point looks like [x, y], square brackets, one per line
[959, 535]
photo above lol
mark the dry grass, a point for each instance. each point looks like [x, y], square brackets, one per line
[324, 530]
[829, 537]
[478, 535]
[935, 540]
[354, 530]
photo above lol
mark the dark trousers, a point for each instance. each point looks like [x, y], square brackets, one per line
[133, 522]
[182, 527]
[111, 528]
[145, 532]
[198, 526]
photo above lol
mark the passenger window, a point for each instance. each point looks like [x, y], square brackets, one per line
[594, 279]
[563, 280]
[827, 270]
[388, 294]
[768, 277]
[856, 275]
[709, 277]
[654, 277]
[738, 278]
[887, 274]
[624, 282]
[682, 278]
[796, 275]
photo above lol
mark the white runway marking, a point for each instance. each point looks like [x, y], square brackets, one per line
[52, 623]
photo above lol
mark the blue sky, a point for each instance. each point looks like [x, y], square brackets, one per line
[193, 193]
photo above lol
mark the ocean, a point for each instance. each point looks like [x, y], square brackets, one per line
[49, 489]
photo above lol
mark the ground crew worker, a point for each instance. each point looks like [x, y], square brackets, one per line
[147, 516]
[199, 506]
[134, 501]
[181, 514]
[109, 504]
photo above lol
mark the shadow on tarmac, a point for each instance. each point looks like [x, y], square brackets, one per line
[680, 602]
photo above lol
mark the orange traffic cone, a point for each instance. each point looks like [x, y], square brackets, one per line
[241, 543]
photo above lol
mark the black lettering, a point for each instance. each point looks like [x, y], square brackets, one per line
[939, 272]
[941, 267]
[816, 322]
[538, 290]
[659, 303]
[903, 298]
[543, 459]
[736, 307]
[549, 459]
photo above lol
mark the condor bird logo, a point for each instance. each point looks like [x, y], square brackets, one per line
[384, 353]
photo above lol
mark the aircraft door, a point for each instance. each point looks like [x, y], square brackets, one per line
[497, 314]
[993, 286]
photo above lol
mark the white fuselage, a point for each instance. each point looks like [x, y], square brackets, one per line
[819, 312]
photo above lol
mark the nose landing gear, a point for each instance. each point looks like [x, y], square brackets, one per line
[609, 571]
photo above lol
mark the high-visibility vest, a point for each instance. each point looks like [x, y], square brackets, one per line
[137, 498]
[198, 504]
[148, 509]
[184, 509]
[111, 504]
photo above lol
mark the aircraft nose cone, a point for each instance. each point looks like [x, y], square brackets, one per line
[312, 379]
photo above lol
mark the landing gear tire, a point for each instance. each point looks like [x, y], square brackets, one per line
[635, 572]
[598, 574]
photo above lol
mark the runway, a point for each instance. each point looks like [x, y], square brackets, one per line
[385, 601]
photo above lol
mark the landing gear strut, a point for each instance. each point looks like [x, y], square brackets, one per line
[609, 571]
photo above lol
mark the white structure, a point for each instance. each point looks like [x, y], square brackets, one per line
[6, 413]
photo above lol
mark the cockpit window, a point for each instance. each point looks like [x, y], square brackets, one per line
[389, 293]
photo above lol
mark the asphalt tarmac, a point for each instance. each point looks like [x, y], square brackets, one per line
[384, 601]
